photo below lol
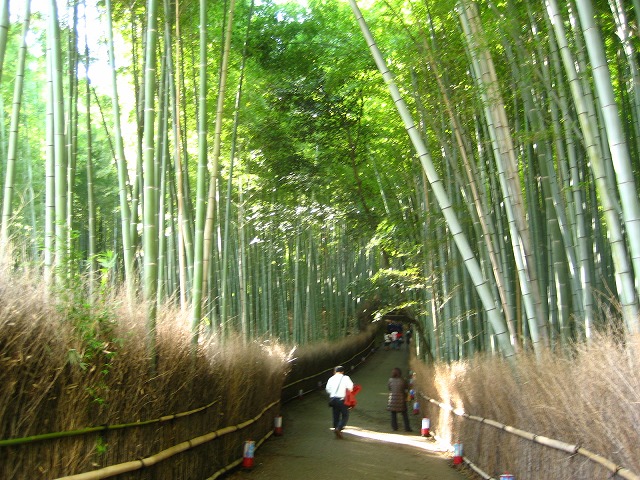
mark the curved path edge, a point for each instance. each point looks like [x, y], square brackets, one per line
[308, 449]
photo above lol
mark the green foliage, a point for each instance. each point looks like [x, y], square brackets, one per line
[101, 446]
[392, 289]
[311, 127]
[96, 342]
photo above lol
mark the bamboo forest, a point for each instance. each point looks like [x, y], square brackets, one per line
[193, 186]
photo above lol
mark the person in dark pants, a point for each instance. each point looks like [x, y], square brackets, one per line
[397, 402]
[337, 387]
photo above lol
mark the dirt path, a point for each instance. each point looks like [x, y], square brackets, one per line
[369, 450]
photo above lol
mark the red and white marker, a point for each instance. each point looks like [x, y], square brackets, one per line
[426, 423]
[247, 456]
[457, 454]
[277, 426]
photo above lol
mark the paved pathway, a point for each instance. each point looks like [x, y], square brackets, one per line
[308, 449]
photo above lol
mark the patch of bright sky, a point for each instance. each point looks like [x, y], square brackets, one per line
[91, 31]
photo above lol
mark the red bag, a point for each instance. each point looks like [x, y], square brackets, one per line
[350, 397]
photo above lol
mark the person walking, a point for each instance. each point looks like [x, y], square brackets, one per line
[337, 387]
[394, 340]
[397, 402]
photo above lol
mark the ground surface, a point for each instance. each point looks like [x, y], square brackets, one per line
[369, 450]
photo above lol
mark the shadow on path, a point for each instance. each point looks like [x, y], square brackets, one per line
[369, 450]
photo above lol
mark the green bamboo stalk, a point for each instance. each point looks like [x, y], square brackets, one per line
[150, 209]
[162, 159]
[4, 31]
[72, 125]
[201, 182]
[184, 242]
[479, 200]
[209, 226]
[504, 157]
[624, 174]
[461, 241]
[49, 221]
[91, 203]
[121, 165]
[626, 34]
[625, 281]
[18, 88]
[59, 143]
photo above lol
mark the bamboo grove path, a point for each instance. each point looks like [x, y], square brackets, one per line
[370, 450]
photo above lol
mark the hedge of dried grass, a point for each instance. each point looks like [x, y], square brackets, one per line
[590, 398]
[313, 364]
[66, 369]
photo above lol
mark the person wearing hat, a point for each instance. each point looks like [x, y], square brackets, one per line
[337, 387]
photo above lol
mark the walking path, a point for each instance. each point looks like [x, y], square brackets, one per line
[369, 450]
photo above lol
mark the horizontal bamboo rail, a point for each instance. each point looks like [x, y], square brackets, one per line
[133, 465]
[329, 370]
[138, 464]
[542, 440]
[100, 428]
[237, 462]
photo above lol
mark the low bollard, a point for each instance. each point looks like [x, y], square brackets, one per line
[247, 456]
[416, 408]
[300, 392]
[457, 454]
[426, 423]
[277, 426]
[507, 476]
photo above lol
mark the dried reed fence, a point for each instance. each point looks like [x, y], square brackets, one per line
[78, 396]
[313, 364]
[583, 410]
[85, 372]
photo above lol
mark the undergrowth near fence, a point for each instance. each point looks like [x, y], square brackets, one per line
[68, 366]
[588, 397]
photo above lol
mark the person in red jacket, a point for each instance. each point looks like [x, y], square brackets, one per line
[397, 402]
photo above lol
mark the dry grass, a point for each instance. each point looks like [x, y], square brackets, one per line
[590, 398]
[68, 368]
[312, 364]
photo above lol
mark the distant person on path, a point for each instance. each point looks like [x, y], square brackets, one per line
[398, 388]
[387, 341]
[337, 389]
[394, 340]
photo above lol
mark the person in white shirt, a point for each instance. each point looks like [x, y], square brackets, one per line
[337, 387]
[394, 340]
